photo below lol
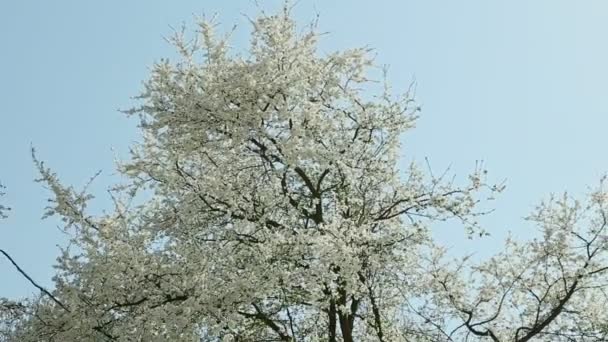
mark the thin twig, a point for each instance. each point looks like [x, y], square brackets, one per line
[42, 289]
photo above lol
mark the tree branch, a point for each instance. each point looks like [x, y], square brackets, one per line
[42, 289]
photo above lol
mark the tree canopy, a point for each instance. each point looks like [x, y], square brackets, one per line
[265, 203]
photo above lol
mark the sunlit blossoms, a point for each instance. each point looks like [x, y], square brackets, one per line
[264, 203]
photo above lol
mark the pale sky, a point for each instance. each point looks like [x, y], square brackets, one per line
[519, 84]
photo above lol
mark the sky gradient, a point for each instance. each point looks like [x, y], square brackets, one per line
[519, 84]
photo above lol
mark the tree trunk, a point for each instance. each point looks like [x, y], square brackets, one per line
[332, 321]
[346, 326]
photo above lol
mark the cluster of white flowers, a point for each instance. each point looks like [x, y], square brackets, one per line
[265, 204]
[552, 288]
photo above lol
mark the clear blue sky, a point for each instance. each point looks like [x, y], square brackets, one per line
[520, 84]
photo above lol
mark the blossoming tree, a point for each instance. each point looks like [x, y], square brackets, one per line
[265, 204]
